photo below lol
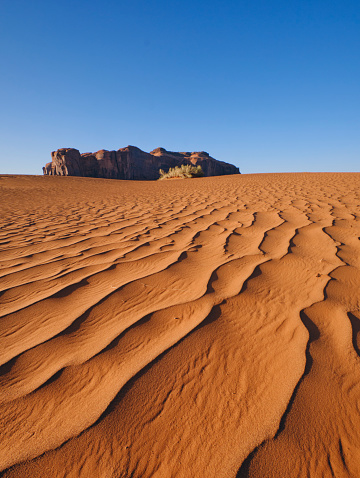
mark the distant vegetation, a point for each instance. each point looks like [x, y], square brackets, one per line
[183, 172]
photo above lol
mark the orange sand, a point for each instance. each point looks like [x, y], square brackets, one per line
[197, 328]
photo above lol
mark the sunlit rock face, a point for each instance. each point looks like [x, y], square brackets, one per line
[130, 163]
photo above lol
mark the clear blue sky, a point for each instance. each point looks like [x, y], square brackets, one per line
[266, 85]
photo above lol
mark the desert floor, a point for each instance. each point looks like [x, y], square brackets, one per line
[197, 328]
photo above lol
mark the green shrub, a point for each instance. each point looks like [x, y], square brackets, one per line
[184, 171]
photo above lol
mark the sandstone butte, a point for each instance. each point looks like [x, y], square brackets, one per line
[130, 163]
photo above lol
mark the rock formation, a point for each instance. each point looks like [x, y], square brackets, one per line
[130, 163]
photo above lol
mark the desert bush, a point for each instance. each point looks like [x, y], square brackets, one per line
[184, 171]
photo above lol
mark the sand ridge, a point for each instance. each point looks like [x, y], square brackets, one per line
[205, 327]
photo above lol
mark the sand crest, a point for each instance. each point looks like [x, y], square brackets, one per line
[196, 328]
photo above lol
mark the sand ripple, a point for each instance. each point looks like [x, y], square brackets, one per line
[205, 328]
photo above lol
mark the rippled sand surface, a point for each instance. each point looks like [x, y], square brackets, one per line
[196, 328]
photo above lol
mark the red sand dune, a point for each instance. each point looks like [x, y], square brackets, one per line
[197, 328]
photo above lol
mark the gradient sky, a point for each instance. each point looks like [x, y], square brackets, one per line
[266, 85]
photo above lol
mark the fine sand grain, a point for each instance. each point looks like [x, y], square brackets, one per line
[197, 328]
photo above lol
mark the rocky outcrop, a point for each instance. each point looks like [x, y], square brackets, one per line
[130, 163]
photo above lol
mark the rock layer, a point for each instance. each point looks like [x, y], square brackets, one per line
[130, 163]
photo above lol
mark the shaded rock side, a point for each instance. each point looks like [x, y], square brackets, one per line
[130, 163]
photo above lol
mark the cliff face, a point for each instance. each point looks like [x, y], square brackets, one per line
[130, 163]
